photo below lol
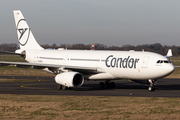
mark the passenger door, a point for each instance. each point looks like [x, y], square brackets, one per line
[145, 62]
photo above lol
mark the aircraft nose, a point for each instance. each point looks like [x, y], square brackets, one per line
[172, 68]
[169, 69]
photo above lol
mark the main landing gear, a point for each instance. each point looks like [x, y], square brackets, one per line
[107, 84]
[61, 87]
[151, 86]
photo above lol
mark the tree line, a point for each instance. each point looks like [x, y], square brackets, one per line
[156, 47]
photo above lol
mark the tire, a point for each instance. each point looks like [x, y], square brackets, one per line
[101, 85]
[59, 87]
[64, 87]
[151, 89]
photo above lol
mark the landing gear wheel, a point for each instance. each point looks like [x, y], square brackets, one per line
[64, 87]
[151, 88]
[101, 85]
[70, 88]
[112, 85]
[59, 87]
[152, 83]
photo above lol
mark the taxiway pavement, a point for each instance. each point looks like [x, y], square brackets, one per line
[47, 86]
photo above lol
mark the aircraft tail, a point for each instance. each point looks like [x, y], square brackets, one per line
[25, 36]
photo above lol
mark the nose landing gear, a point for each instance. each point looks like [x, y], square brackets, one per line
[151, 86]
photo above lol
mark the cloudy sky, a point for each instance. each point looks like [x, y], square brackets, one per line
[109, 22]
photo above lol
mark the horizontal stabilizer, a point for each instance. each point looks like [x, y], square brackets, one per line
[6, 52]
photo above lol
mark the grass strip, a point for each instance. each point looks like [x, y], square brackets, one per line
[87, 107]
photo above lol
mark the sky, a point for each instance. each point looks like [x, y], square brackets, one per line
[108, 22]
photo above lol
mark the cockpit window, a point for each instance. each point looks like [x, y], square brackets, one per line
[163, 61]
[169, 61]
[166, 61]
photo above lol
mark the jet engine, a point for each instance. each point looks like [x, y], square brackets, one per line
[70, 79]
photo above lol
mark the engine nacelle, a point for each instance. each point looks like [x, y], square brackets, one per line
[70, 79]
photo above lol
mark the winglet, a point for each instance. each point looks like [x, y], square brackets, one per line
[169, 53]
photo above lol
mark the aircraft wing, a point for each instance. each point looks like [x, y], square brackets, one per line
[81, 69]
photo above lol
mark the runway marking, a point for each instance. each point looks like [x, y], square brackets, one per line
[26, 86]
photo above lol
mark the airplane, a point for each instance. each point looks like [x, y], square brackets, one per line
[73, 67]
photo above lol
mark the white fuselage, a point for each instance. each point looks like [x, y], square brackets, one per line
[115, 64]
[73, 66]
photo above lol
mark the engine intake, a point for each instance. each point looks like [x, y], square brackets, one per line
[70, 79]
